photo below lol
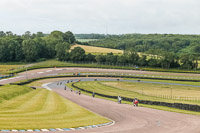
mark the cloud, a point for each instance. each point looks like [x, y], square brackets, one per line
[94, 16]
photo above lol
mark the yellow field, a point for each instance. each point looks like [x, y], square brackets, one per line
[97, 50]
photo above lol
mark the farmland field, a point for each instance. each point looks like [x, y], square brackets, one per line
[98, 50]
[38, 109]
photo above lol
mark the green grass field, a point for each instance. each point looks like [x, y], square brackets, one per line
[38, 109]
[108, 90]
[145, 91]
[98, 50]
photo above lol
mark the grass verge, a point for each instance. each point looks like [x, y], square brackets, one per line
[54, 63]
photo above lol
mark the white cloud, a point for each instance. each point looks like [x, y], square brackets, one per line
[87, 16]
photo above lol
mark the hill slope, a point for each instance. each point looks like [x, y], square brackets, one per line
[97, 50]
[150, 42]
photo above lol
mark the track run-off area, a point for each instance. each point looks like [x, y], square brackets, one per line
[128, 119]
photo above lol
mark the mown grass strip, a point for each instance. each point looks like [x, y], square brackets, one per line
[40, 109]
[8, 92]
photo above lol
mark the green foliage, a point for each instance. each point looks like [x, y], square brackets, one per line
[61, 50]
[90, 57]
[31, 47]
[10, 49]
[100, 58]
[147, 42]
[171, 47]
[77, 54]
[69, 37]
[166, 51]
[31, 50]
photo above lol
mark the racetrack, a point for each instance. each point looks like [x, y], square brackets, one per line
[128, 119]
[50, 71]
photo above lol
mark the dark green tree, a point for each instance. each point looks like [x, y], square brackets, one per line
[133, 56]
[2, 34]
[122, 59]
[77, 54]
[186, 62]
[100, 58]
[90, 57]
[62, 51]
[31, 50]
[143, 61]
[69, 37]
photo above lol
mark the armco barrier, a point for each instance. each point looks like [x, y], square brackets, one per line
[189, 107]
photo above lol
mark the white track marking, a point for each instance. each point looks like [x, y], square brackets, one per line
[40, 72]
[46, 86]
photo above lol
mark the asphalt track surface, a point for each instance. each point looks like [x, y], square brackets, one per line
[128, 119]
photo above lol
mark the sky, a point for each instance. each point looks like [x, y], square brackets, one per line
[101, 16]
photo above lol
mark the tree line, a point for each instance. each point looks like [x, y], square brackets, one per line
[33, 47]
[165, 60]
[37, 47]
[185, 49]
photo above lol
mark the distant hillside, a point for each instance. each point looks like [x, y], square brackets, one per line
[97, 50]
[150, 43]
[90, 36]
[85, 40]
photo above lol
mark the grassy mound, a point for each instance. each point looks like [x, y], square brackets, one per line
[10, 91]
[41, 108]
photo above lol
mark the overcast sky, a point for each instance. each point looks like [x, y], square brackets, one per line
[95, 16]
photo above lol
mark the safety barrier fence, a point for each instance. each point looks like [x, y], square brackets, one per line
[6, 76]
